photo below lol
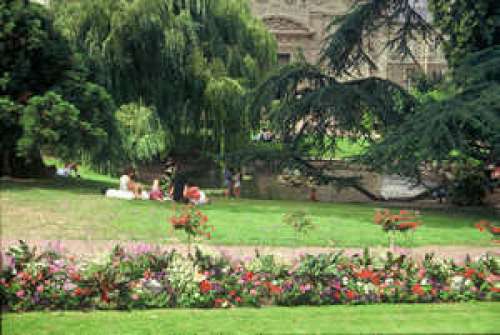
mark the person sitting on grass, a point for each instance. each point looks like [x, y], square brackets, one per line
[128, 183]
[68, 170]
[156, 192]
[194, 195]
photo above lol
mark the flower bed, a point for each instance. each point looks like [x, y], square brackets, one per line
[151, 279]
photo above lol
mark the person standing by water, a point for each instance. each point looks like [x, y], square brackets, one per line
[228, 182]
[237, 184]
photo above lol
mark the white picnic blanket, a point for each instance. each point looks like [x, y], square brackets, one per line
[126, 195]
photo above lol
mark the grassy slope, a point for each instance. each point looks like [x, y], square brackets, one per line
[74, 209]
[470, 318]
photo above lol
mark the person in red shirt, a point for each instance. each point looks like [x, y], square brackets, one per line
[194, 195]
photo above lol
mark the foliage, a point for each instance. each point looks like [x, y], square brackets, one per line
[469, 187]
[470, 26]
[299, 221]
[465, 122]
[44, 94]
[141, 132]
[191, 61]
[146, 278]
[405, 132]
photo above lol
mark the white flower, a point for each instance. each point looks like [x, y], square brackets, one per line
[154, 286]
[345, 281]
[389, 281]
[424, 281]
[457, 282]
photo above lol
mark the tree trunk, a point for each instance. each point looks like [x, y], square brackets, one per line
[15, 166]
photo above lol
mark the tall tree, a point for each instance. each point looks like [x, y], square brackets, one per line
[175, 56]
[37, 69]
[463, 125]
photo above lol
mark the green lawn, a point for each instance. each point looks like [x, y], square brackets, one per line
[75, 209]
[470, 318]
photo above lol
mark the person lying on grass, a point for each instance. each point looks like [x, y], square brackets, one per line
[194, 195]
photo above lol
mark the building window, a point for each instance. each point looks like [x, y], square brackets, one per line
[284, 58]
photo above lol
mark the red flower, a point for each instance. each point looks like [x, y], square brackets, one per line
[418, 290]
[273, 289]
[495, 289]
[350, 295]
[336, 295]
[78, 292]
[75, 276]
[105, 297]
[248, 276]
[205, 286]
[232, 293]
[479, 226]
[365, 274]
[238, 299]
[147, 274]
[469, 273]
[375, 280]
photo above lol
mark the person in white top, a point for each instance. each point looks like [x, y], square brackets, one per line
[124, 181]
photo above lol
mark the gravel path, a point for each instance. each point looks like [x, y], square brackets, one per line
[95, 248]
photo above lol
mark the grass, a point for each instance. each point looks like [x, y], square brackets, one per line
[74, 209]
[469, 318]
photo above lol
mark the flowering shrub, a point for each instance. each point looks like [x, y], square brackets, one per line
[152, 279]
[404, 221]
[483, 225]
[192, 221]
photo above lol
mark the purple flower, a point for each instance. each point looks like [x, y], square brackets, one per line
[305, 288]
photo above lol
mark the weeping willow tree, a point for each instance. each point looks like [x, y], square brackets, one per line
[319, 103]
[192, 61]
[141, 133]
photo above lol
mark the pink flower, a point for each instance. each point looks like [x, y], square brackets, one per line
[39, 288]
[135, 297]
[253, 292]
[305, 288]
[20, 294]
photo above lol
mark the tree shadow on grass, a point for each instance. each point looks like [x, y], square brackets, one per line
[79, 186]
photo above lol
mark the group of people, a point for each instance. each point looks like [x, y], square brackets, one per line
[232, 183]
[69, 169]
[130, 188]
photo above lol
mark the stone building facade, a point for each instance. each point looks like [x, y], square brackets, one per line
[301, 25]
